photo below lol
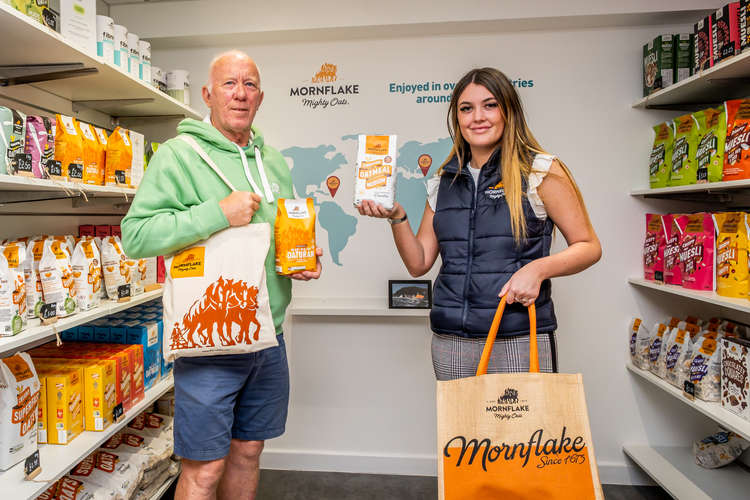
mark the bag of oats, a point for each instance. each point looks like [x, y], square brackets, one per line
[660, 162]
[719, 450]
[114, 266]
[673, 225]
[57, 278]
[10, 322]
[640, 342]
[697, 252]
[101, 136]
[678, 347]
[295, 236]
[732, 279]
[34, 300]
[119, 157]
[39, 146]
[68, 151]
[15, 255]
[12, 138]
[87, 273]
[704, 369]
[684, 167]
[653, 248]
[376, 170]
[712, 133]
[92, 152]
[19, 400]
[737, 147]
[656, 347]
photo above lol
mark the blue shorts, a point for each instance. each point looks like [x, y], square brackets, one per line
[236, 396]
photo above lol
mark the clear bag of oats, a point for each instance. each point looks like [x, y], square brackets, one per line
[375, 173]
[640, 343]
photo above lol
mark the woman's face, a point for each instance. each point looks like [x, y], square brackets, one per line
[479, 117]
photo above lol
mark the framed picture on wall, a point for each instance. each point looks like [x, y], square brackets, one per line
[410, 294]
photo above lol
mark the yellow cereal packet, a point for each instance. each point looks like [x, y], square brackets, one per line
[731, 255]
[295, 236]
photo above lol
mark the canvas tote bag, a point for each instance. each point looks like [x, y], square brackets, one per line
[215, 295]
[516, 435]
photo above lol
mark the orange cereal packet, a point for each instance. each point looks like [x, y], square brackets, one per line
[731, 255]
[119, 158]
[92, 152]
[295, 236]
[68, 151]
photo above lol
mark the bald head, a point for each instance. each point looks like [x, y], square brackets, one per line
[233, 94]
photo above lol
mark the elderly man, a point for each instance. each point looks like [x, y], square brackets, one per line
[225, 406]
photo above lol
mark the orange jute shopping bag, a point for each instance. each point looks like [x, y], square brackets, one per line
[515, 435]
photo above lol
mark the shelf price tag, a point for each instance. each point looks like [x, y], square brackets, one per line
[55, 168]
[22, 163]
[117, 413]
[48, 313]
[120, 177]
[32, 467]
[75, 171]
[123, 293]
[689, 390]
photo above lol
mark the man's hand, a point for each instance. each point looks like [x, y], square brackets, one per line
[310, 275]
[239, 207]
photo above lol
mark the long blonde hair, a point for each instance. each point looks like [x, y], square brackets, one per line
[518, 146]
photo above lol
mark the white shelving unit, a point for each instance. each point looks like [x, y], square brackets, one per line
[371, 306]
[725, 418]
[675, 470]
[46, 72]
[707, 188]
[109, 90]
[57, 460]
[36, 333]
[706, 87]
[700, 295]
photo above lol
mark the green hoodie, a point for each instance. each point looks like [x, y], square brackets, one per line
[177, 202]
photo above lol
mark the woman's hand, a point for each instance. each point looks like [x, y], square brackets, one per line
[523, 286]
[374, 209]
[310, 275]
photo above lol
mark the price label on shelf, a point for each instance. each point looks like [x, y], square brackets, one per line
[689, 390]
[120, 176]
[123, 293]
[32, 467]
[22, 163]
[55, 168]
[75, 171]
[117, 413]
[48, 313]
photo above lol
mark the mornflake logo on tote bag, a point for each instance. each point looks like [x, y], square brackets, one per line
[507, 406]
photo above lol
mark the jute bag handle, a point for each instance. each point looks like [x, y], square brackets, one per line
[533, 352]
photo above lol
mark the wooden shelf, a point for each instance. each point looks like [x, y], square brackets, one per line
[742, 305]
[708, 188]
[726, 80]
[35, 333]
[723, 417]
[57, 460]
[109, 90]
[675, 470]
[371, 306]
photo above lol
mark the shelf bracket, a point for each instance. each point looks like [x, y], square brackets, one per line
[683, 106]
[21, 74]
[14, 197]
[100, 103]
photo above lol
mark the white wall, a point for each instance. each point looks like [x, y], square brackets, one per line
[363, 388]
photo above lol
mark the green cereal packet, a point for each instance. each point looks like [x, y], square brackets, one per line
[660, 162]
[712, 132]
[684, 166]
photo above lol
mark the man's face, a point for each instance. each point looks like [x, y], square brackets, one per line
[235, 95]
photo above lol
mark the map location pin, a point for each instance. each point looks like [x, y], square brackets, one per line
[333, 184]
[425, 162]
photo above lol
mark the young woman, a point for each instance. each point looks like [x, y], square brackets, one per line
[490, 213]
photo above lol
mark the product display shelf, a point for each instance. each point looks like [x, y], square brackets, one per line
[17, 183]
[725, 418]
[164, 487]
[675, 470]
[35, 333]
[701, 295]
[725, 80]
[57, 460]
[707, 188]
[110, 90]
[341, 306]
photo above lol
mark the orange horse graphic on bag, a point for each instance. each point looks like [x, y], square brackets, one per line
[225, 303]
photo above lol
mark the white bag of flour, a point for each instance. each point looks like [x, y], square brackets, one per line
[56, 274]
[19, 401]
[87, 273]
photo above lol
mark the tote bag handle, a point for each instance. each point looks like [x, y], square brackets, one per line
[487, 352]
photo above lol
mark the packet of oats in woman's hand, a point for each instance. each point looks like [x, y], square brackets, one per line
[376, 170]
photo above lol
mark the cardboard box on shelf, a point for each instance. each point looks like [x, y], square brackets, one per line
[725, 32]
[64, 400]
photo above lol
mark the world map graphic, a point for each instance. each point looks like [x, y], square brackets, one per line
[312, 166]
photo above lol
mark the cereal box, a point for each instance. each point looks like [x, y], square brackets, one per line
[744, 16]
[725, 30]
[731, 255]
[683, 46]
[376, 170]
[703, 56]
[658, 64]
[653, 248]
[64, 401]
[735, 383]
[295, 236]
[100, 394]
[41, 419]
[19, 399]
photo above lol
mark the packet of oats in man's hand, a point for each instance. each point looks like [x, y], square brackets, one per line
[376, 170]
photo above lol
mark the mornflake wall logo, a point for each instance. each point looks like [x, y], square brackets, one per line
[508, 406]
[325, 89]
